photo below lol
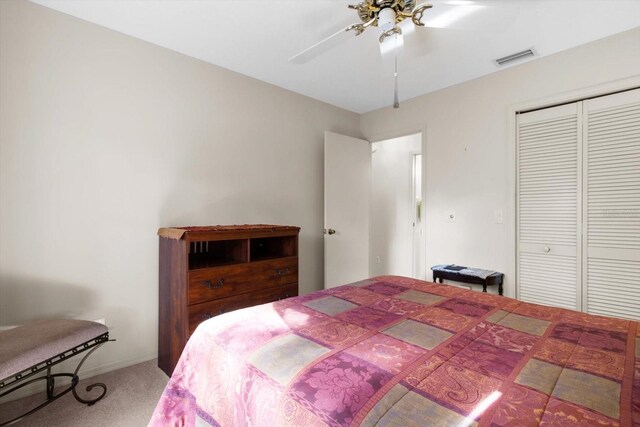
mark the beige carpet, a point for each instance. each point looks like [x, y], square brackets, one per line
[132, 394]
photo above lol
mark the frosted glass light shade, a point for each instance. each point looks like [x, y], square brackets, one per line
[386, 19]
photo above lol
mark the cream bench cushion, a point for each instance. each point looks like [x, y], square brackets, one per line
[35, 342]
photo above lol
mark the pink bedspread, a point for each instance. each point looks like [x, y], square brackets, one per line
[394, 351]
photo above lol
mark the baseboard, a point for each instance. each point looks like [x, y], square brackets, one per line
[38, 387]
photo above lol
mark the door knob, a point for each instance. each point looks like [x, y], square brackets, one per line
[546, 249]
[331, 231]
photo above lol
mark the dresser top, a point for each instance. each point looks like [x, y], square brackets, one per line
[178, 233]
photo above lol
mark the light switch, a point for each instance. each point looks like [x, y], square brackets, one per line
[497, 217]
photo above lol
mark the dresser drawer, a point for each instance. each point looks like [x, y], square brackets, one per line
[220, 282]
[201, 312]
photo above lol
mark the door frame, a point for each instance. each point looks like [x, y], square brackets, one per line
[410, 129]
[576, 95]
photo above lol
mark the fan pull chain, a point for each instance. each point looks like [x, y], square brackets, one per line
[396, 103]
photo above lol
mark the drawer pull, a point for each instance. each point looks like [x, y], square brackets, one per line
[280, 298]
[209, 284]
[282, 272]
[208, 315]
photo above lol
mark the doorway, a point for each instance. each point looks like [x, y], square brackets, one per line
[396, 219]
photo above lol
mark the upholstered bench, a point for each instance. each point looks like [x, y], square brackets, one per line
[34, 347]
[468, 275]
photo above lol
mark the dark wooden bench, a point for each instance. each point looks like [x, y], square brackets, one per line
[469, 275]
[31, 349]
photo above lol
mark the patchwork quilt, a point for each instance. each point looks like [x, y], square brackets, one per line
[395, 351]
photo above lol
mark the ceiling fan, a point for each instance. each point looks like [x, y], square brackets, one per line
[388, 15]
[396, 18]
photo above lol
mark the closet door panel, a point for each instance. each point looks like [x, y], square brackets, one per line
[547, 279]
[549, 193]
[612, 205]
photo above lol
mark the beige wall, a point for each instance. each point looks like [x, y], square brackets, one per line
[467, 149]
[105, 138]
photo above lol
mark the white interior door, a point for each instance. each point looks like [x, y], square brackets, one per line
[612, 205]
[347, 187]
[549, 193]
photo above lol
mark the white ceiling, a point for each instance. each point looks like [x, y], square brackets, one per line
[257, 38]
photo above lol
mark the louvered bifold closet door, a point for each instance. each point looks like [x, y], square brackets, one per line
[548, 183]
[612, 205]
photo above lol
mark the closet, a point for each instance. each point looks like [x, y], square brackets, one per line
[578, 205]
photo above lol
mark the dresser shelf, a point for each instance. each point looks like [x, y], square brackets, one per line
[207, 271]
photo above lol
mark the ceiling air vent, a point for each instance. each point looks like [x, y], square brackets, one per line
[515, 57]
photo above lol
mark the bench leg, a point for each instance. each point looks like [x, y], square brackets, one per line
[49, 379]
[90, 386]
[51, 383]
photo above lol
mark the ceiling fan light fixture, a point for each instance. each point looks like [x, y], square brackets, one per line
[406, 26]
[386, 19]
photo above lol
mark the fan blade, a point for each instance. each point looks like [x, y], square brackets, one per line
[323, 46]
[470, 16]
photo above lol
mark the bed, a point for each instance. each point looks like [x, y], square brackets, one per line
[391, 351]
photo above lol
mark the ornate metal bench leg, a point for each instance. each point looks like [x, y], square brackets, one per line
[76, 380]
[28, 376]
[51, 383]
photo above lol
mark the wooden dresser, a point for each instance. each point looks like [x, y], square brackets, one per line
[207, 271]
